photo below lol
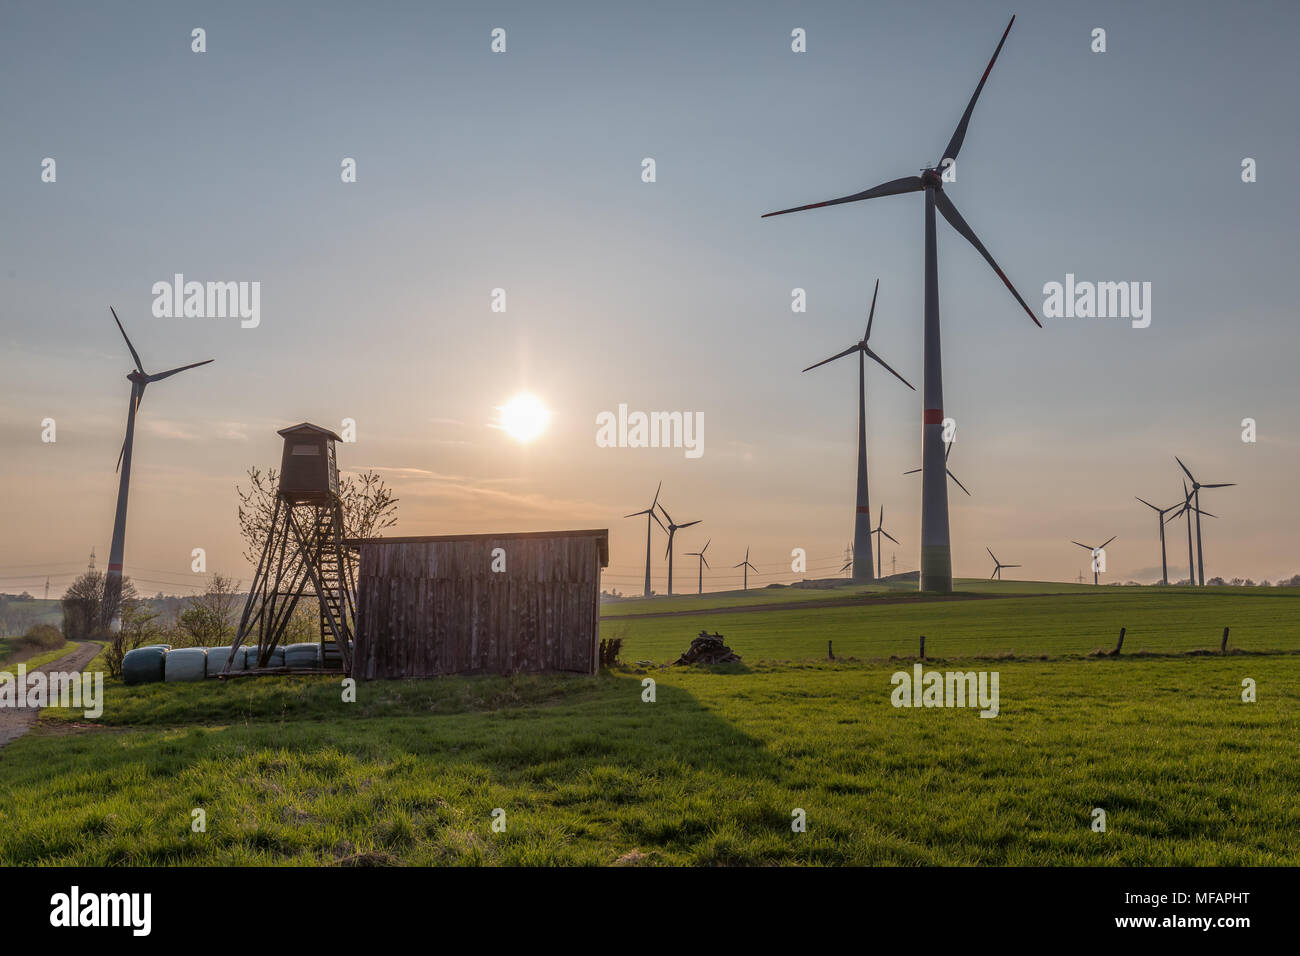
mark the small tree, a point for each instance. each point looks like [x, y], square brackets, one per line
[368, 508]
[83, 606]
[139, 627]
[210, 618]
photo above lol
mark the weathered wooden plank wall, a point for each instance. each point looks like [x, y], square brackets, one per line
[432, 607]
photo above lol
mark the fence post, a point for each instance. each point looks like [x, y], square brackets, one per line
[1120, 643]
[922, 647]
[1223, 644]
[830, 655]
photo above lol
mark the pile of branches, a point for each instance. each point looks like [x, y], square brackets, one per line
[708, 649]
[609, 650]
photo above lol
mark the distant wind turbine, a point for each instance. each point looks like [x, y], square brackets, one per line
[1095, 551]
[936, 551]
[138, 378]
[704, 562]
[997, 565]
[1160, 520]
[1196, 493]
[880, 532]
[1187, 509]
[862, 570]
[747, 566]
[672, 533]
[650, 516]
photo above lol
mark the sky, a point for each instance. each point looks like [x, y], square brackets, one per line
[523, 171]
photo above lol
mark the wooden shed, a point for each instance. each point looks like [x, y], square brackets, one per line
[479, 604]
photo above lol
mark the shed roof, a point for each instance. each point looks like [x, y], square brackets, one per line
[307, 427]
[600, 534]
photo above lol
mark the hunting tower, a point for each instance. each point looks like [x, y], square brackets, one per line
[303, 554]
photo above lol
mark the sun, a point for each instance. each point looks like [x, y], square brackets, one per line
[524, 417]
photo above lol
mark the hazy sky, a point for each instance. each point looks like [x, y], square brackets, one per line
[522, 171]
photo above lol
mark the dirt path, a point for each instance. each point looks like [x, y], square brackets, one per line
[14, 722]
[870, 601]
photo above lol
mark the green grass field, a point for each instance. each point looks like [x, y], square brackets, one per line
[588, 773]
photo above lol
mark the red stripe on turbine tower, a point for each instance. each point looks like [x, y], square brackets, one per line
[933, 416]
[115, 567]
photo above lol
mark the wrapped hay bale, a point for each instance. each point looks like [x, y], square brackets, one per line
[217, 657]
[302, 655]
[276, 659]
[185, 663]
[144, 665]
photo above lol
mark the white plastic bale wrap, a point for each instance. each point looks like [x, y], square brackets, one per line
[185, 664]
[217, 657]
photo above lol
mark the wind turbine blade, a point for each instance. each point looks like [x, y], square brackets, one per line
[873, 355]
[706, 546]
[1184, 468]
[689, 523]
[705, 560]
[120, 455]
[1147, 503]
[139, 368]
[912, 472]
[754, 569]
[1012, 565]
[666, 514]
[889, 536]
[634, 514]
[954, 218]
[994, 574]
[954, 144]
[1084, 546]
[847, 565]
[908, 184]
[959, 484]
[168, 374]
[848, 351]
[871, 316]
[658, 522]
[1108, 541]
[947, 450]
[991, 554]
[1230, 484]
[657, 490]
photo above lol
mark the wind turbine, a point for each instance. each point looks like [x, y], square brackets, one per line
[946, 452]
[138, 378]
[747, 566]
[998, 565]
[1095, 552]
[862, 570]
[704, 562]
[1160, 520]
[880, 531]
[1196, 493]
[936, 550]
[672, 533]
[1187, 509]
[650, 515]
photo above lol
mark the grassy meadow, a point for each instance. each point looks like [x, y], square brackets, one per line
[711, 771]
